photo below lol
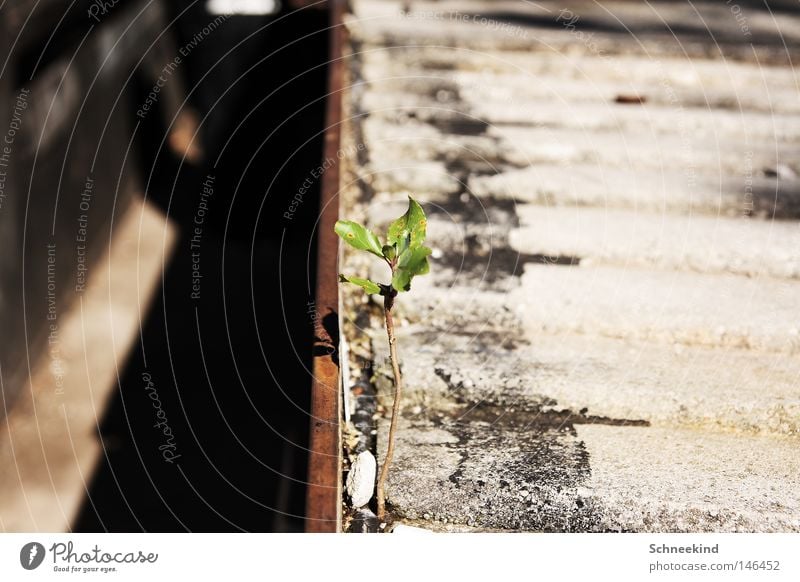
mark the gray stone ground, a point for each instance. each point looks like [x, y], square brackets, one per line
[609, 338]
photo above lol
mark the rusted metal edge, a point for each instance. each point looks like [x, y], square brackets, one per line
[324, 492]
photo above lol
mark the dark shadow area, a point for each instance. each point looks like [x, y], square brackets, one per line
[777, 201]
[768, 6]
[323, 346]
[52, 30]
[208, 429]
[491, 263]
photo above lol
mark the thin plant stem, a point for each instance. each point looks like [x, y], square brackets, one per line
[388, 303]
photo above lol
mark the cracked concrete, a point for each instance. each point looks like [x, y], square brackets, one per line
[608, 339]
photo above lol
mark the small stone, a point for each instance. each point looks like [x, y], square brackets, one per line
[361, 479]
[364, 521]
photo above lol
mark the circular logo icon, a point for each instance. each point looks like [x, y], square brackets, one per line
[31, 555]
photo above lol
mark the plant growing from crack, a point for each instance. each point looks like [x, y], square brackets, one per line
[407, 257]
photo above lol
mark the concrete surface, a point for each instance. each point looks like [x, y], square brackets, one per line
[640, 239]
[666, 190]
[583, 376]
[609, 336]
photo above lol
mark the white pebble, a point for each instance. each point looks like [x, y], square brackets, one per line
[361, 479]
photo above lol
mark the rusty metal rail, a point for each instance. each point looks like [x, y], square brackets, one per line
[324, 493]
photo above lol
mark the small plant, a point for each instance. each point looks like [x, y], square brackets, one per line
[407, 257]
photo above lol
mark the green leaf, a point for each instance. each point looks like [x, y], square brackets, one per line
[401, 280]
[408, 231]
[389, 251]
[412, 262]
[403, 244]
[369, 286]
[415, 260]
[359, 237]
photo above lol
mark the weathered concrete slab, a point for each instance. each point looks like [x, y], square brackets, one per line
[666, 82]
[595, 115]
[656, 120]
[640, 239]
[680, 192]
[685, 481]
[567, 78]
[491, 372]
[608, 337]
[688, 308]
[486, 475]
[670, 153]
[395, 175]
[528, 472]
[600, 30]
[501, 435]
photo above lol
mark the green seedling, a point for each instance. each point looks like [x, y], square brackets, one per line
[407, 257]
